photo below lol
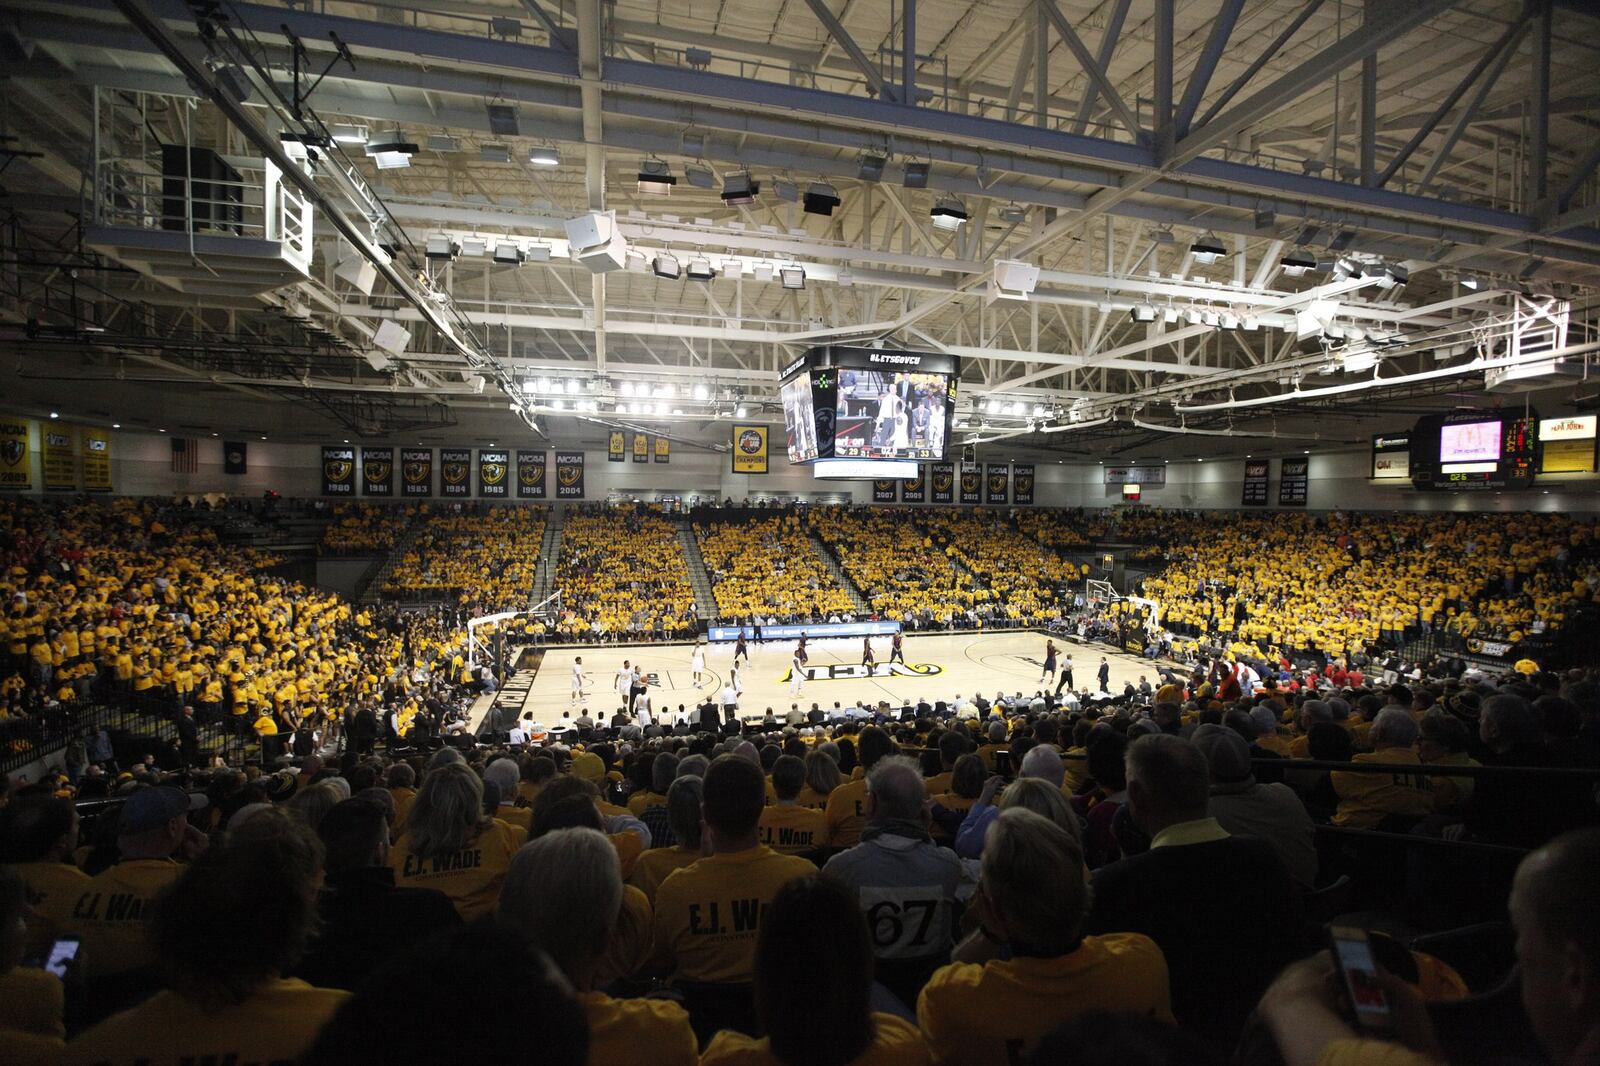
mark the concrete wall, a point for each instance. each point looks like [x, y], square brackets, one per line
[340, 574]
[141, 464]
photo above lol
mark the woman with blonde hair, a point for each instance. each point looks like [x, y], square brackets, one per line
[822, 777]
[451, 845]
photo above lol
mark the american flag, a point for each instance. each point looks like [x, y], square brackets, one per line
[185, 455]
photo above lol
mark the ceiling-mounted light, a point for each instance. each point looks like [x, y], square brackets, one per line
[626, 388]
[700, 269]
[1207, 249]
[702, 393]
[739, 188]
[443, 143]
[793, 277]
[1143, 313]
[948, 213]
[508, 252]
[1470, 282]
[1297, 262]
[916, 175]
[1164, 235]
[700, 176]
[544, 155]
[1393, 275]
[1013, 214]
[503, 120]
[538, 253]
[820, 199]
[347, 134]
[870, 168]
[441, 248]
[666, 265]
[785, 190]
[762, 271]
[655, 178]
[1346, 268]
[844, 279]
[1169, 315]
[1229, 320]
[741, 411]
[492, 152]
[1192, 316]
[390, 150]
[1211, 318]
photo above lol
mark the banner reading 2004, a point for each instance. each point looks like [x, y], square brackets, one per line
[569, 475]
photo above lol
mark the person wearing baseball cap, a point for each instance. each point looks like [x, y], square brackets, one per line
[110, 910]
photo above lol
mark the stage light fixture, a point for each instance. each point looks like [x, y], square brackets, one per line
[793, 277]
[1297, 262]
[700, 176]
[916, 175]
[666, 266]
[870, 168]
[948, 214]
[739, 188]
[700, 269]
[1207, 249]
[1143, 313]
[655, 178]
[544, 155]
[820, 199]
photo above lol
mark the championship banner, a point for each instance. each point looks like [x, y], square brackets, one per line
[971, 483]
[1292, 482]
[338, 470]
[416, 472]
[569, 475]
[944, 482]
[14, 472]
[234, 457]
[997, 484]
[59, 457]
[96, 459]
[615, 445]
[1256, 472]
[530, 474]
[1022, 482]
[377, 471]
[915, 490]
[494, 473]
[455, 472]
[663, 450]
[641, 448]
[749, 449]
[883, 491]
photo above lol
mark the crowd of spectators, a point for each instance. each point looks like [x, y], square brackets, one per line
[769, 568]
[893, 562]
[482, 557]
[361, 528]
[622, 576]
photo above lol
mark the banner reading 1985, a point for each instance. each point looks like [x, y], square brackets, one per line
[494, 473]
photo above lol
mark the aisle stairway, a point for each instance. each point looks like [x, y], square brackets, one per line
[699, 579]
[374, 579]
[549, 554]
[849, 586]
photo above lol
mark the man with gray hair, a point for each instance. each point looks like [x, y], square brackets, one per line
[564, 893]
[907, 885]
[1396, 800]
[1310, 713]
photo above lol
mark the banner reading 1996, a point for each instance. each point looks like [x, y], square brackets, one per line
[494, 473]
[338, 470]
[944, 482]
[569, 475]
[377, 471]
[455, 472]
[530, 473]
[416, 472]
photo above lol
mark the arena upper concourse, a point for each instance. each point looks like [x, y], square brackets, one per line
[821, 533]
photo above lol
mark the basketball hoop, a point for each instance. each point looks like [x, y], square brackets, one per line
[544, 611]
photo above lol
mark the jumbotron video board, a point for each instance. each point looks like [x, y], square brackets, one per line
[869, 403]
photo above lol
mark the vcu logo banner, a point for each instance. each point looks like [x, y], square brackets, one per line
[530, 474]
[569, 475]
[455, 472]
[749, 449]
[377, 471]
[494, 473]
[416, 471]
[338, 471]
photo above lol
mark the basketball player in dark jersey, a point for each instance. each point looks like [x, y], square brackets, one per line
[895, 650]
[866, 653]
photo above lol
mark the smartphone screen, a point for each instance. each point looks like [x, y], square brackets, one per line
[1360, 972]
[62, 952]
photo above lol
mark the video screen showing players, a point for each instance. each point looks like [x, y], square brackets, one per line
[799, 420]
[890, 415]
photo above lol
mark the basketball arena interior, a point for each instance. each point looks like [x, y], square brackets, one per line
[804, 532]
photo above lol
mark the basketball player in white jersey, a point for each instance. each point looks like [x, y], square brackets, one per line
[797, 672]
[578, 678]
[734, 679]
[697, 661]
[625, 683]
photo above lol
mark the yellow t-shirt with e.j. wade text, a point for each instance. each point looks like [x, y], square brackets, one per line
[707, 914]
[471, 877]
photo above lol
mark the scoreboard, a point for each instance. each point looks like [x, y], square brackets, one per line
[1473, 451]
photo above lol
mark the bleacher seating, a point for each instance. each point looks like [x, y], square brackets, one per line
[768, 568]
[622, 575]
[480, 557]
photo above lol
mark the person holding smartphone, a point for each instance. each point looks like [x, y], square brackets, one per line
[32, 999]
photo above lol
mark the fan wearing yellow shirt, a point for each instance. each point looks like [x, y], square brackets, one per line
[32, 1004]
[449, 845]
[109, 912]
[707, 914]
[1032, 897]
[847, 804]
[831, 975]
[786, 826]
[683, 818]
[564, 892]
[37, 836]
[256, 894]
[1366, 800]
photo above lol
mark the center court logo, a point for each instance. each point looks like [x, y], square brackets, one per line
[858, 672]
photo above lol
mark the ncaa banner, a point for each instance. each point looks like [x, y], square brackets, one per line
[971, 483]
[96, 459]
[530, 474]
[455, 472]
[377, 471]
[59, 457]
[14, 466]
[615, 446]
[641, 448]
[915, 490]
[569, 475]
[338, 470]
[663, 450]
[749, 449]
[494, 473]
[883, 491]
[416, 472]
[996, 484]
[1022, 483]
[944, 483]
[234, 457]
